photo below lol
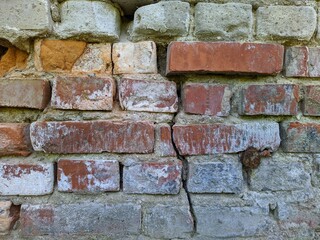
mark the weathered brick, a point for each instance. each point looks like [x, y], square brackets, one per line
[286, 22]
[164, 146]
[168, 222]
[225, 138]
[270, 99]
[57, 55]
[302, 62]
[300, 137]
[91, 21]
[208, 99]
[92, 137]
[277, 174]
[82, 219]
[20, 20]
[172, 19]
[26, 179]
[96, 58]
[83, 93]
[15, 139]
[9, 214]
[88, 176]
[230, 222]
[153, 177]
[131, 58]
[311, 103]
[12, 58]
[228, 21]
[224, 57]
[149, 96]
[215, 174]
[36, 93]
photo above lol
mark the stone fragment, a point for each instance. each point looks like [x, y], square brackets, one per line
[83, 93]
[149, 96]
[95, 59]
[88, 176]
[215, 175]
[201, 139]
[26, 179]
[81, 219]
[15, 139]
[33, 93]
[286, 22]
[224, 57]
[153, 177]
[207, 99]
[92, 137]
[270, 99]
[90, 21]
[131, 58]
[171, 19]
[228, 21]
[57, 55]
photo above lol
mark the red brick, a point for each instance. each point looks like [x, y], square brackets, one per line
[83, 93]
[88, 176]
[222, 138]
[300, 137]
[164, 146]
[92, 137]
[149, 96]
[208, 99]
[26, 179]
[224, 57]
[15, 139]
[153, 177]
[25, 93]
[311, 103]
[276, 99]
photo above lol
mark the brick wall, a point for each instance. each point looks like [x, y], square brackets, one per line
[151, 119]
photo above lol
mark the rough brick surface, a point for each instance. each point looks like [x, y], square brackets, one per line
[208, 99]
[153, 177]
[302, 62]
[57, 55]
[82, 219]
[9, 214]
[15, 139]
[87, 93]
[36, 93]
[12, 59]
[92, 21]
[286, 22]
[276, 174]
[95, 59]
[92, 137]
[131, 58]
[300, 137]
[311, 103]
[149, 96]
[214, 176]
[172, 19]
[224, 57]
[223, 21]
[26, 179]
[280, 99]
[88, 176]
[177, 223]
[222, 138]
[164, 146]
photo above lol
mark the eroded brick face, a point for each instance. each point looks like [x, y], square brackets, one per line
[311, 103]
[224, 57]
[88, 176]
[93, 137]
[270, 100]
